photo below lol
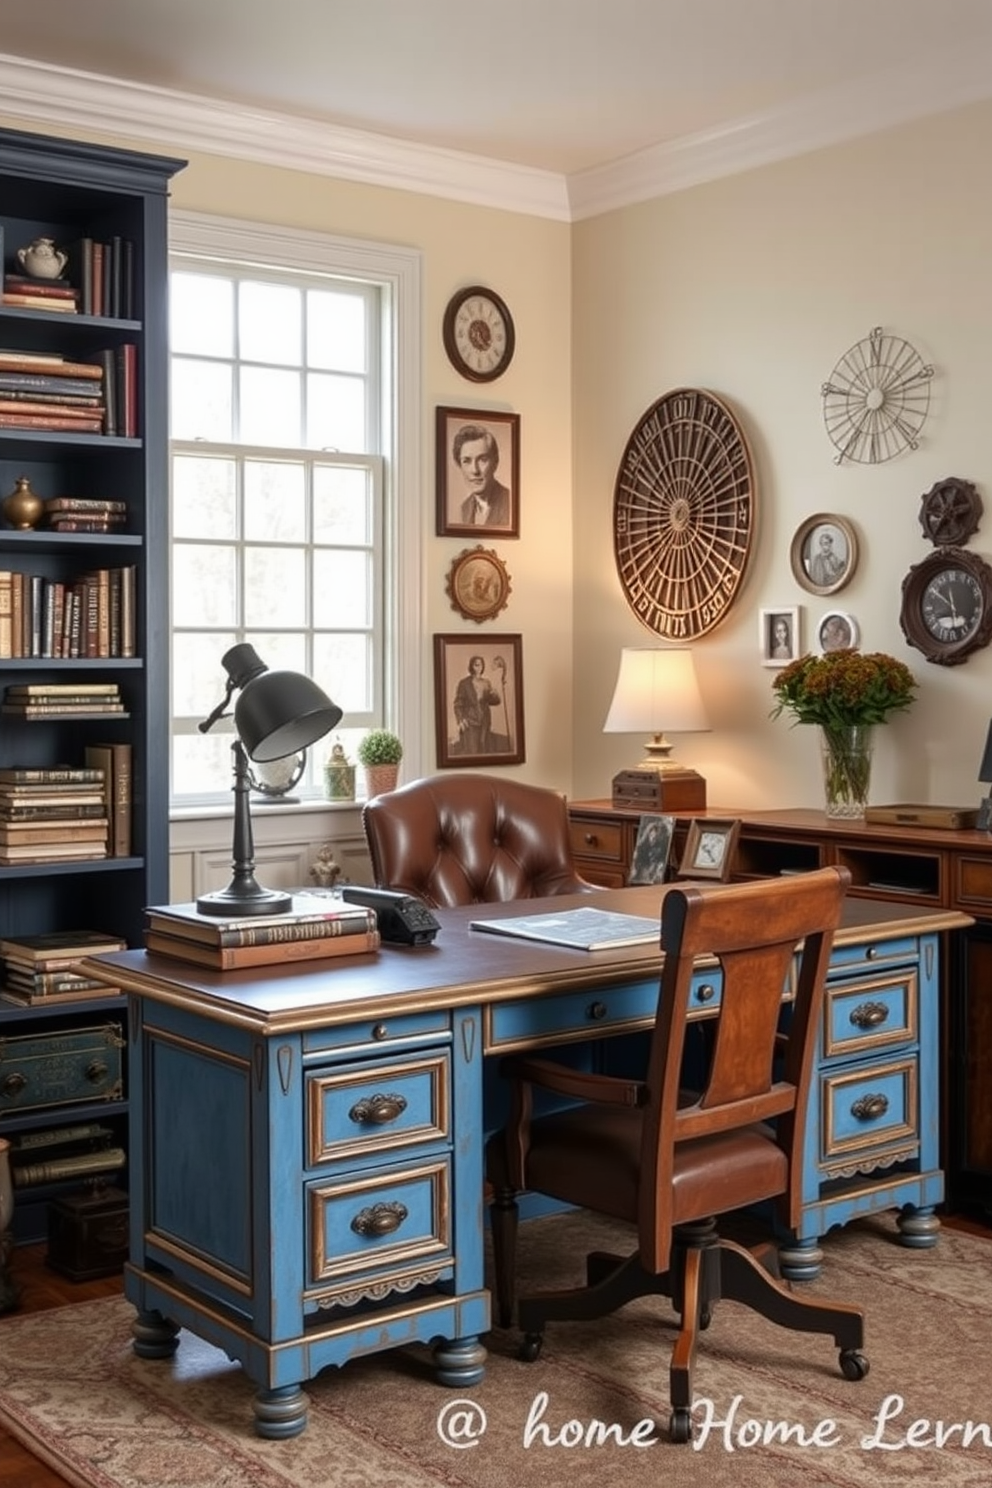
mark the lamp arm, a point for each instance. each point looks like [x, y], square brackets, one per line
[243, 844]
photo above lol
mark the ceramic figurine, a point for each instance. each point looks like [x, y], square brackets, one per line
[42, 260]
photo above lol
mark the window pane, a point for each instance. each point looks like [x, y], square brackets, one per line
[285, 652]
[342, 589]
[336, 413]
[204, 585]
[275, 501]
[270, 324]
[270, 407]
[201, 314]
[275, 586]
[336, 331]
[198, 679]
[342, 665]
[201, 763]
[342, 505]
[202, 400]
[203, 497]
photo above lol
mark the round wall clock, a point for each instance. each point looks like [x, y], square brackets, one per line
[683, 514]
[478, 334]
[876, 400]
[949, 512]
[478, 584]
[947, 605]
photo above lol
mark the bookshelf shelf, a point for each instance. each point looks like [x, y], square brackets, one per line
[70, 192]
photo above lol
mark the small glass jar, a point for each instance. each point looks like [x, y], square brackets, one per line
[339, 776]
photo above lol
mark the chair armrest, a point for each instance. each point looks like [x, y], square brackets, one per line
[610, 1090]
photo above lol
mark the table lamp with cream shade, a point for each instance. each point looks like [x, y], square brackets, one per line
[657, 690]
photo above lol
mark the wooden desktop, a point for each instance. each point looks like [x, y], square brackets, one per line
[307, 1145]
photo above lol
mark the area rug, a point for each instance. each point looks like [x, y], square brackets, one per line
[772, 1409]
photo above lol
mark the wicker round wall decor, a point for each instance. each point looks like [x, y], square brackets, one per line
[684, 514]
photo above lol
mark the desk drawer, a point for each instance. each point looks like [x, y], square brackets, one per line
[848, 958]
[378, 1032]
[397, 1104]
[530, 1022]
[600, 840]
[876, 1013]
[866, 1113]
[379, 1233]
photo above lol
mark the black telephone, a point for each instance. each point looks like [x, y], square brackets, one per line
[402, 918]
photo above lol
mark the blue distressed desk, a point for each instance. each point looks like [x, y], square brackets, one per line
[307, 1143]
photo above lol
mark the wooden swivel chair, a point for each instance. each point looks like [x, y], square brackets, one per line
[471, 839]
[668, 1160]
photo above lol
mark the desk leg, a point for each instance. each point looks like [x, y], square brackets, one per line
[281, 1413]
[800, 1260]
[155, 1337]
[918, 1228]
[459, 1362]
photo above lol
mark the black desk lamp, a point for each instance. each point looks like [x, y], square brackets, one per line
[278, 713]
[984, 822]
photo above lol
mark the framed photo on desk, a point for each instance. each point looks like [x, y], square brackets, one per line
[709, 849]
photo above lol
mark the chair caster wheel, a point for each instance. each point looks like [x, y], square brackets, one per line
[680, 1424]
[530, 1348]
[853, 1365]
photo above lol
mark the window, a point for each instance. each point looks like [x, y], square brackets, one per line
[288, 455]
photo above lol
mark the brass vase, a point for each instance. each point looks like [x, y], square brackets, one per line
[22, 508]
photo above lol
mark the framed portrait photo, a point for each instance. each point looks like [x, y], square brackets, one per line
[778, 636]
[824, 553]
[478, 700]
[709, 849]
[837, 631]
[649, 863]
[478, 472]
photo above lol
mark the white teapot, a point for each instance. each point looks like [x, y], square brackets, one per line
[42, 260]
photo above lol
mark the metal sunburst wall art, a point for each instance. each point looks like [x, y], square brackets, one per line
[876, 400]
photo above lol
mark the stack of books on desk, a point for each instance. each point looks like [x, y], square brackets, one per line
[227, 944]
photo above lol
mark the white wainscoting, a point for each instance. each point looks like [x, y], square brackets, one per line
[287, 842]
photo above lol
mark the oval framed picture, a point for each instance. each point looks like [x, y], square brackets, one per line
[478, 584]
[837, 631]
[824, 553]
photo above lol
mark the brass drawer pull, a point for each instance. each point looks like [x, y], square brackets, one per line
[96, 1072]
[590, 839]
[597, 1011]
[379, 1032]
[13, 1084]
[870, 1107]
[380, 1219]
[377, 1110]
[706, 993]
[869, 1014]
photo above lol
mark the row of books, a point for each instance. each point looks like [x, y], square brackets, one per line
[48, 814]
[54, 699]
[42, 969]
[22, 292]
[313, 929]
[46, 390]
[91, 616]
[84, 514]
[86, 1149]
[104, 274]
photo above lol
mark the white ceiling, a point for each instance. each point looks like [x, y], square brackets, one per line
[570, 87]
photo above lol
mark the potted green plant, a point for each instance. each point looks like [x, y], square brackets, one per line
[379, 754]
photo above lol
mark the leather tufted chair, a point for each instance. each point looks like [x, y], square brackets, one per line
[669, 1160]
[471, 839]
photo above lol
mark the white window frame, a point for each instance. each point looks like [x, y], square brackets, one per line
[397, 271]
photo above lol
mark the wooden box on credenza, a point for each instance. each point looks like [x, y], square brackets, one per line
[660, 790]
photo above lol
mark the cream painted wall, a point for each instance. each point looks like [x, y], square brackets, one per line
[527, 260]
[753, 287]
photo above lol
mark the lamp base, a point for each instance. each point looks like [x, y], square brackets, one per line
[244, 897]
[660, 790]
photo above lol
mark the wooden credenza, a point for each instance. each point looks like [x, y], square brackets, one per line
[927, 867]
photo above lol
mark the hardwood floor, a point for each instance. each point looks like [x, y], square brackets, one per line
[42, 1288]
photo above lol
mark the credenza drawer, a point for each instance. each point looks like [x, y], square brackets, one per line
[379, 1233]
[876, 1013]
[866, 1113]
[355, 1109]
[600, 840]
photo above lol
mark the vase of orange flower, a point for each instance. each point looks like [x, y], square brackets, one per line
[846, 693]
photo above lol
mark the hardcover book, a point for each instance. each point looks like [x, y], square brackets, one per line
[233, 958]
[307, 923]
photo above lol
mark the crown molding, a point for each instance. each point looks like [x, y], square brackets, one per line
[56, 97]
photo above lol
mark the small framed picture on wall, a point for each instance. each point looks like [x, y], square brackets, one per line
[778, 636]
[478, 472]
[478, 700]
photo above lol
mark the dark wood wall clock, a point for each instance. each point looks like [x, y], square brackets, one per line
[478, 334]
[684, 514]
[947, 605]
